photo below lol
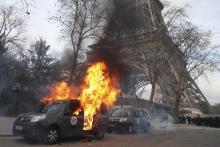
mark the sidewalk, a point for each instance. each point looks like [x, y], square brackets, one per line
[6, 124]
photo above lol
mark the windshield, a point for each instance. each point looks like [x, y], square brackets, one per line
[122, 113]
[53, 108]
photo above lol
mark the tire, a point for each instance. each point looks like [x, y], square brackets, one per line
[100, 134]
[130, 129]
[51, 136]
[109, 130]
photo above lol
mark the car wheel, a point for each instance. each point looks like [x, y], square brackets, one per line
[51, 136]
[130, 129]
[100, 134]
[109, 130]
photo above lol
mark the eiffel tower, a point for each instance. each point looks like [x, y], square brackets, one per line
[135, 28]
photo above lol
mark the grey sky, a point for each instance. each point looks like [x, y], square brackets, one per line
[204, 13]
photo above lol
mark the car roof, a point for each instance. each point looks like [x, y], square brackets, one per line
[131, 108]
[65, 101]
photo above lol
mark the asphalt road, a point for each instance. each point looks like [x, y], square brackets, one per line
[177, 136]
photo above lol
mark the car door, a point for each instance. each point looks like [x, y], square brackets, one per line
[72, 124]
[147, 117]
[136, 122]
[143, 120]
[103, 117]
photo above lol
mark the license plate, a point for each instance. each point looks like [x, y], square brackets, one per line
[20, 128]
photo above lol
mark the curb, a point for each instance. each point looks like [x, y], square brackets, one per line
[7, 135]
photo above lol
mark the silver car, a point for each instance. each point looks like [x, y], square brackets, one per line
[129, 120]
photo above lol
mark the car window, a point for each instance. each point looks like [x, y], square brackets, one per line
[141, 113]
[72, 107]
[122, 113]
[136, 113]
[52, 108]
[111, 111]
[146, 114]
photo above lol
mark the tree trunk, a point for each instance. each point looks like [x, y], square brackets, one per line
[177, 102]
[76, 53]
[178, 96]
[153, 85]
[73, 69]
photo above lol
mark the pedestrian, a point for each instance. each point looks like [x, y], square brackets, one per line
[188, 118]
[218, 122]
[198, 120]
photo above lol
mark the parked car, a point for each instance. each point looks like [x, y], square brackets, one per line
[129, 120]
[56, 121]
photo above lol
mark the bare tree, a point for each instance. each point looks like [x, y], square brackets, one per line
[81, 20]
[11, 29]
[199, 54]
[194, 45]
[26, 4]
[155, 60]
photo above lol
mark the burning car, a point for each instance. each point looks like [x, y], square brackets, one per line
[56, 120]
[129, 120]
[70, 113]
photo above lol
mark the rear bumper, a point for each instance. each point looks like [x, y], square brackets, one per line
[118, 127]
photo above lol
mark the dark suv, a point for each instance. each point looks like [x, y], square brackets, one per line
[129, 120]
[56, 121]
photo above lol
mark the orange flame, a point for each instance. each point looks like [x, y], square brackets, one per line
[99, 87]
[60, 91]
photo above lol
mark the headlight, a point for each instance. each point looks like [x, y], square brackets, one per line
[38, 118]
[123, 119]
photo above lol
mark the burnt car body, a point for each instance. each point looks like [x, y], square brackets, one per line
[56, 121]
[129, 120]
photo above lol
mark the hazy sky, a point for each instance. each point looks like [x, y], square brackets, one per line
[204, 13]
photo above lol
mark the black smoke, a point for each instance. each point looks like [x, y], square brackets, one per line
[112, 59]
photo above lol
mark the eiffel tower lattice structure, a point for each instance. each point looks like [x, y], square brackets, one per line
[135, 30]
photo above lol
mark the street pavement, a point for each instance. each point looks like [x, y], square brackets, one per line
[162, 136]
